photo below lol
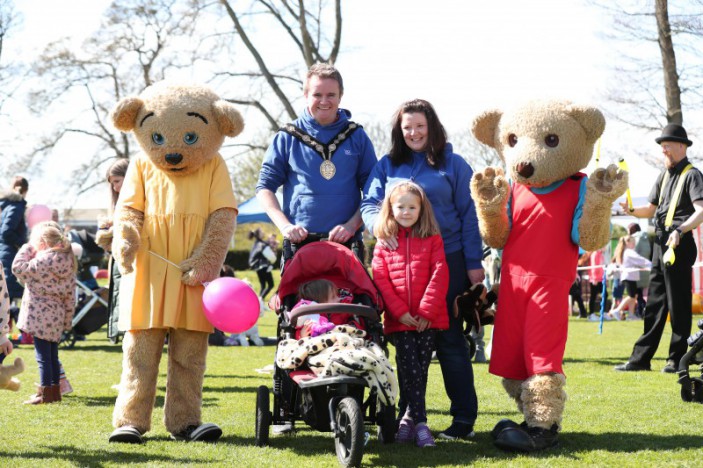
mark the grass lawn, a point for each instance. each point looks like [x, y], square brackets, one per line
[624, 419]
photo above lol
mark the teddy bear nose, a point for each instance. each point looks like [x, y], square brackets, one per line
[174, 158]
[525, 169]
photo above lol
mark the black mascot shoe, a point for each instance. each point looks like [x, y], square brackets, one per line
[126, 435]
[530, 439]
[504, 424]
[207, 432]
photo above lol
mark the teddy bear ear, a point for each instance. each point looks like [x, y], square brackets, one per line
[228, 118]
[591, 119]
[484, 126]
[124, 116]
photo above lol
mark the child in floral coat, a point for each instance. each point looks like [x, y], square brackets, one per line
[47, 267]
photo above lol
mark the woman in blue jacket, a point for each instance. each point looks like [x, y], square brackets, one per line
[420, 152]
[13, 231]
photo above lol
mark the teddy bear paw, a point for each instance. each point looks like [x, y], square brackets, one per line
[610, 182]
[489, 187]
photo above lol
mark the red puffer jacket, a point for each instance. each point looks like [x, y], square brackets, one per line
[413, 278]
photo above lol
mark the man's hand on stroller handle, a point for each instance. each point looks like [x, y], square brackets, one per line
[341, 234]
[294, 233]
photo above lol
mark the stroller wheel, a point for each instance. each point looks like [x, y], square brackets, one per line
[263, 416]
[68, 339]
[386, 424]
[686, 392]
[349, 438]
[697, 390]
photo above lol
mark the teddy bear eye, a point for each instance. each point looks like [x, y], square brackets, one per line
[158, 138]
[512, 140]
[551, 140]
[190, 138]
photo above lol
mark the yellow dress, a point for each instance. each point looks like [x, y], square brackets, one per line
[175, 209]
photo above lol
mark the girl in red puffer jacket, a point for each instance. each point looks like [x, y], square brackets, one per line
[413, 280]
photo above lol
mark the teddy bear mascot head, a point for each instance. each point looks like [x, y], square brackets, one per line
[173, 223]
[539, 216]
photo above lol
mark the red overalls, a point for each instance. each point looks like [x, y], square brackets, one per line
[539, 266]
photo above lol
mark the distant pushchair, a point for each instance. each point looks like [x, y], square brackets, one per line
[692, 387]
[326, 403]
[91, 311]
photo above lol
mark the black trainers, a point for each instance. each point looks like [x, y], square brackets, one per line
[630, 367]
[457, 431]
[670, 367]
[207, 432]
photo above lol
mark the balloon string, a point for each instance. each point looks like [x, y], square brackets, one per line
[164, 259]
[204, 283]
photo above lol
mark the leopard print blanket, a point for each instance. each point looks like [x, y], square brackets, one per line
[342, 351]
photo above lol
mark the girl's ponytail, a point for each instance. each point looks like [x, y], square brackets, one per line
[50, 234]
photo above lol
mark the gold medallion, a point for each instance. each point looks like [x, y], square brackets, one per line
[327, 169]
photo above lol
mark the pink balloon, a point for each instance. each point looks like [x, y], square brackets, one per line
[37, 214]
[230, 305]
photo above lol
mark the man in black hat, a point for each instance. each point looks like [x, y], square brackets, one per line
[675, 215]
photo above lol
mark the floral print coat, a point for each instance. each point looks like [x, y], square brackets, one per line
[49, 295]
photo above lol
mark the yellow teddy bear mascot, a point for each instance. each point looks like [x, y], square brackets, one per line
[173, 223]
[539, 217]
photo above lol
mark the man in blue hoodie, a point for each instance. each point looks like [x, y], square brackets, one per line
[322, 160]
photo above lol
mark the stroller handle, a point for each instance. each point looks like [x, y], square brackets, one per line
[289, 248]
[331, 308]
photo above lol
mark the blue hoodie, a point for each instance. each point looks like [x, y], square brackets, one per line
[13, 234]
[447, 188]
[310, 200]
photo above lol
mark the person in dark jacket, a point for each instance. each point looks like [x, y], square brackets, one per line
[13, 231]
[261, 260]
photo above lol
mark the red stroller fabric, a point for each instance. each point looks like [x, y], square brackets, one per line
[330, 261]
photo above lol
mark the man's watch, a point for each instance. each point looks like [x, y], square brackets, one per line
[678, 229]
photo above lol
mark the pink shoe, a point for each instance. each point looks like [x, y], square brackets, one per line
[406, 432]
[65, 386]
[423, 436]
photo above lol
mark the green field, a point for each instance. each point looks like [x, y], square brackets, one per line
[623, 419]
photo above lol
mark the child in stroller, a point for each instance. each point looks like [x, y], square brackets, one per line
[322, 380]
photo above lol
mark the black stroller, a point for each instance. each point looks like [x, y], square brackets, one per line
[692, 387]
[334, 403]
[91, 312]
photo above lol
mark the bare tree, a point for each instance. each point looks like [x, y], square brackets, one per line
[138, 42]
[478, 155]
[11, 78]
[649, 92]
[674, 113]
[302, 24]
